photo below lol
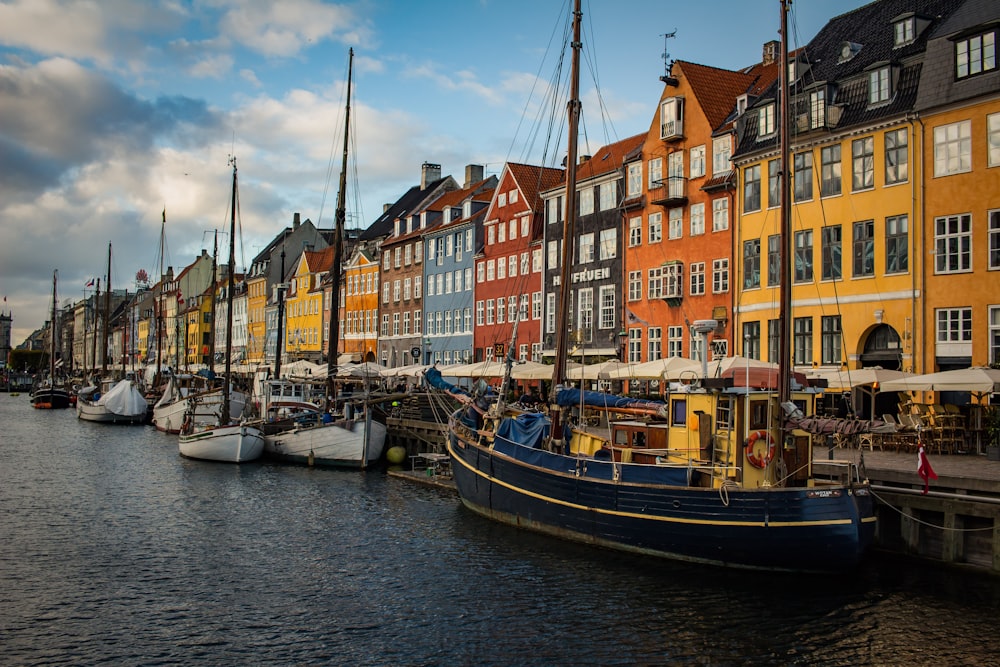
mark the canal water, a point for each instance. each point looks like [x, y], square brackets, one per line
[115, 549]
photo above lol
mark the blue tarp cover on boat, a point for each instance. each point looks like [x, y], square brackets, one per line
[600, 399]
[529, 429]
[435, 380]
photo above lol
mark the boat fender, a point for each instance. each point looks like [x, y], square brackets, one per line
[760, 461]
[186, 426]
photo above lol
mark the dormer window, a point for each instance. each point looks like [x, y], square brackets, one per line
[672, 118]
[765, 120]
[975, 54]
[467, 210]
[847, 51]
[741, 104]
[879, 85]
[904, 31]
[817, 108]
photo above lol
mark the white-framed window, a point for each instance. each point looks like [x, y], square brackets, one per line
[491, 270]
[675, 228]
[385, 292]
[953, 244]
[417, 281]
[635, 231]
[525, 226]
[607, 194]
[501, 232]
[407, 285]
[634, 345]
[585, 243]
[536, 305]
[585, 311]
[525, 264]
[468, 279]
[722, 152]
[720, 275]
[879, 85]
[397, 257]
[550, 312]
[480, 272]
[406, 323]
[491, 235]
[903, 31]
[501, 270]
[976, 54]
[673, 280]
[862, 163]
[553, 254]
[501, 313]
[654, 283]
[512, 266]
[385, 325]
[994, 335]
[512, 196]
[655, 227]
[480, 313]
[720, 214]
[655, 172]
[817, 108]
[672, 117]
[608, 246]
[953, 148]
[896, 156]
[536, 260]
[635, 285]
[606, 298]
[751, 188]
[954, 325]
[633, 183]
[993, 140]
[697, 278]
[502, 199]
[697, 161]
[386, 260]
[994, 239]
[489, 311]
[418, 252]
[765, 120]
[395, 324]
[675, 341]
[408, 254]
[697, 219]
[654, 342]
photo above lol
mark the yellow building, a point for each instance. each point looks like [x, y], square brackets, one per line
[256, 322]
[303, 335]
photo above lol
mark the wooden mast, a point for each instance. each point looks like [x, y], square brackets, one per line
[574, 108]
[227, 379]
[785, 290]
[215, 280]
[338, 242]
[107, 316]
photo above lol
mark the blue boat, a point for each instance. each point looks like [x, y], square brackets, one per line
[720, 472]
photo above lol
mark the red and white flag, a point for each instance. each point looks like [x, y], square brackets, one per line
[924, 469]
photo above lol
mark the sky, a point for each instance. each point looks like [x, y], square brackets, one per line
[114, 111]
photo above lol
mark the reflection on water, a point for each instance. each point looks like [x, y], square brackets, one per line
[117, 549]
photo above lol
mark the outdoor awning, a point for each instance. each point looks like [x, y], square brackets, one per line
[349, 358]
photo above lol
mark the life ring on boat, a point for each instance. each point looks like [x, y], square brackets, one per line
[758, 461]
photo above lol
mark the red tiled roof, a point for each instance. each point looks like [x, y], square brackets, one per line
[318, 260]
[716, 89]
[609, 158]
[532, 179]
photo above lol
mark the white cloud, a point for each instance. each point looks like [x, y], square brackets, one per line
[286, 28]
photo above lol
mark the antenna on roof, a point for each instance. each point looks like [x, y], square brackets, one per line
[666, 55]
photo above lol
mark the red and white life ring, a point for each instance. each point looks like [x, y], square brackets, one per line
[756, 460]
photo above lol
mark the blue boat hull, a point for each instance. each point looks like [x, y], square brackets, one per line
[651, 510]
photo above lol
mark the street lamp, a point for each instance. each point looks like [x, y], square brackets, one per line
[622, 340]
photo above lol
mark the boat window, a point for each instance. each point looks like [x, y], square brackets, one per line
[723, 413]
[758, 414]
[678, 412]
[621, 437]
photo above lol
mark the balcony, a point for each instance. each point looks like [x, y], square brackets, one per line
[669, 193]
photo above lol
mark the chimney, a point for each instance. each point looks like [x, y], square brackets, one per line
[386, 207]
[473, 174]
[770, 53]
[429, 173]
[296, 221]
[584, 158]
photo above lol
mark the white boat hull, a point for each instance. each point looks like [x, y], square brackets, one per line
[169, 418]
[229, 444]
[339, 444]
[95, 412]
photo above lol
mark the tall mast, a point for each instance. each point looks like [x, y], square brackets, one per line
[562, 320]
[785, 282]
[338, 243]
[229, 304]
[107, 316]
[279, 343]
[215, 279]
[158, 310]
[52, 333]
[93, 343]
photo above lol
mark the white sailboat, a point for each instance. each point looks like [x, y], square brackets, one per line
[119, 403]
[356, 440]
[220, 437]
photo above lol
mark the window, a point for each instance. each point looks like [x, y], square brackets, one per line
[489, 311]
[585, 312]
[720, 214]
[994, 335]
[817, 108]
[697, 219]
[633, 187]
[502, 199]
[720, 276]
[449, 249]
[536, 260]
[751, 188]
[585, 243]
[480, 272]
[975, 55]
[831, 240]
[879, 89]
[586, 201]
[773, 340]
[993, 261]
[395, 324]
[751, 264]
[765, 120]
[803, 330]
[525, 264]
[386, 260]
[722, 151]
[954, 325]
[673, 280]
[418, 252]
[675, 342]
[417, 280]
[903, 31]
[407, 284]
[607, 305]
[536, 305]
[896, 244]
[774, 183]
[634, 231]
[864, 248]
[773, 260]
[501, 270]
[607, 193]
[675, 228]
[751, 340]
[554, 210]
[397, 257]
[654, 283]
[804, 256]
[697, 161]
[385, 325]
[408, 254]
[863, 163]
[655, 343]
[830, 339]
[511, 265]
[896, 157]
[501, 313]
[608, 248]
[635, 285]
[953, 244]
[553, 254]
[803, 176]
[501, 232]
[672, 118]
[550, 313]
[829, 174]
[385, 292]
[406, 323]
[675, 174]
[993, 140]
[697, 278]
[655, 172]
[634, 345]
[655, 227]
[480, 310]
[953, 148]
[491, 235]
